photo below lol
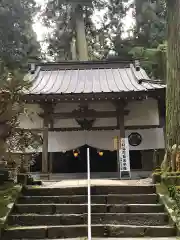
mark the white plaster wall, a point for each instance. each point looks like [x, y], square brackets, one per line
[102, 106]
[31, 118]
[105, 122]
[142, 113]
[63, 141]
[98, 106]
[65, 123]
[151, 139]
[66, 107]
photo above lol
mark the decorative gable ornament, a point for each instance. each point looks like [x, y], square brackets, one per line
[85, 123]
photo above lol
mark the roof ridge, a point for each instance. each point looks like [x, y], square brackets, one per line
[81, 65]
[72, 62]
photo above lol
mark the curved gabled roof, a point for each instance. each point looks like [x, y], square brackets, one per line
[65, 80]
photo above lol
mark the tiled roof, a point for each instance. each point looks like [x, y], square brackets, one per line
[95, 80]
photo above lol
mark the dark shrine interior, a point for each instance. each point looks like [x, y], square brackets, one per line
[66, 162]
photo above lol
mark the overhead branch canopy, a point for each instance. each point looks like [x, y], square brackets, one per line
[17, 38]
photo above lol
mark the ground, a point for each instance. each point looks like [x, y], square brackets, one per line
[99, 182]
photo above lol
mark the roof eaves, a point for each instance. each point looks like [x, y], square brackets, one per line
[145, 80]
[35, 74]
[151, 81]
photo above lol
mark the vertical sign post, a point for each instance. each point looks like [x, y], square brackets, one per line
[125, 171]
[89, 194]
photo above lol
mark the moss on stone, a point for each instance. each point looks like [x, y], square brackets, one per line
[8, 195]
[162, 189]
[170, 204]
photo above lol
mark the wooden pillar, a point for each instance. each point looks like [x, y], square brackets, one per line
[51, 155]
[162, 117]
[45, 145]
[120, 125]
[121, 112]
[47, 120]
[121, 133]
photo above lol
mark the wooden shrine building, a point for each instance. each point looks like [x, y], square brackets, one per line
[75, 104]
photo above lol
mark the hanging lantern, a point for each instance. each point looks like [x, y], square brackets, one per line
[75, 153]
[101, 153]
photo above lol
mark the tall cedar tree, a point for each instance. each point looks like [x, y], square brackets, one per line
[107, 41]
[17, 45]
[173, 75]
[150, 30]
[149, 40]
[59, 17]
[17, 39]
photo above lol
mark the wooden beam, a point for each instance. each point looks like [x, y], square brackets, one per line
[70, 129]
[93, 97]
[105, 128]
[101, 114]
[136, 127]
[80, 129]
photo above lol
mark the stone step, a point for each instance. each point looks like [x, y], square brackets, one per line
[95, 238]
[82, 208]
[101, 218]
[99, 238]
[95, 190]
[54, 232]
[99, 199]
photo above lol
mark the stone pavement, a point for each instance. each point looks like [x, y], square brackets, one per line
[94, 175]
[95, 182]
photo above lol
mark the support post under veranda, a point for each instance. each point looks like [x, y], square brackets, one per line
[51, 154]
[120, 112]
[45, 145]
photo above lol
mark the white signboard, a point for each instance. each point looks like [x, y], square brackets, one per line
[125, 171]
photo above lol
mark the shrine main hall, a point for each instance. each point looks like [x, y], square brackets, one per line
[75, 105]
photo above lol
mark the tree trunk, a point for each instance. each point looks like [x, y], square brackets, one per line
[173, 75]
[81, 34]
[138, 5]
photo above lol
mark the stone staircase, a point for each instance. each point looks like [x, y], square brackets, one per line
[117, 211]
